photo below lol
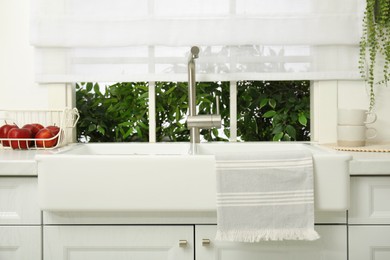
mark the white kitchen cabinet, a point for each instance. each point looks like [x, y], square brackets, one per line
[20, 242]
[370, 200]
[118, 242]
[331, 246]
[20, 219]
[19, 201]
[369, 242]
[369, 218]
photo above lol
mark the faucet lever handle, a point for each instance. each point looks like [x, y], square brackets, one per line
[217, 104]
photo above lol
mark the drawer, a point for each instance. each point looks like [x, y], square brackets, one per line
[370, 200]
[369, 243]
[19, 201]
[331, 246]
[20, 242]
[118, 242]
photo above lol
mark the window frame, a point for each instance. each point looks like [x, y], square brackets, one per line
[324, 103]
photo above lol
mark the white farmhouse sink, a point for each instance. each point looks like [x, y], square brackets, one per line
[163, 176]
[126, 177]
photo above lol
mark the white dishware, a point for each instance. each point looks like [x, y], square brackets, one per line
[355, 117]
[354, 135]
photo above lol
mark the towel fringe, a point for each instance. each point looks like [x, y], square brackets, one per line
[266, 235]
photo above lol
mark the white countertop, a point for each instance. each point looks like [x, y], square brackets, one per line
[19, 162]
[370, 163]
[22, 163]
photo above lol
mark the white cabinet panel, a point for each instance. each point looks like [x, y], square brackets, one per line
[330, 217]
[19, 201]
[370, 200]
[331, 246]
[20, 242]
[118, 242]
[369, 242]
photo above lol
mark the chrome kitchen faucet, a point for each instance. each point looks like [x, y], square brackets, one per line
[194, 121]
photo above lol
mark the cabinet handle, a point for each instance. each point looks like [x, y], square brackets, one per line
[206, 242]
[183, 243]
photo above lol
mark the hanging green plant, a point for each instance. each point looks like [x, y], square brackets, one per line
[375, 42]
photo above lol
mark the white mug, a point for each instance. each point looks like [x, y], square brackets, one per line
[353, 136]
[355, 117]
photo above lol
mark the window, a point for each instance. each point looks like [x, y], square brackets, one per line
[262, 111]
[149, 40]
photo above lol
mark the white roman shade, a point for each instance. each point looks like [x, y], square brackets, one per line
[149, 40]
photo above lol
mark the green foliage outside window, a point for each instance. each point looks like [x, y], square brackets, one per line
[273, 110]
[172, 109]
[277, 110]
[117, 114]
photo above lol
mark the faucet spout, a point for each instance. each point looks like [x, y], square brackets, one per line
[194, 121]
[194, 52]
[194, 131]
[192, 81]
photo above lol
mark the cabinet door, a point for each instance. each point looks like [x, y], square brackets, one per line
[369, 242]
[20, 242]
[331, 246]
[118, 242]
[19, 201]
[370, 200]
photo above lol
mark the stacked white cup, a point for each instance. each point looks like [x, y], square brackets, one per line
[352, 130]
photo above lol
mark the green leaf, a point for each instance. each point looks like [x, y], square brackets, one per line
[291, 131]
[91, 127]
[272, 103]
[139, 132]
[263, 102]
[127, 134]
[277, 129]
[144, 126]
[170, 90]
[278, 136]
[97, 90]
[302, 119]
[101, 130]
[215, 132]
[126, 124]
[89, 86]
[177, 114]
[292, 100]
[269, 114]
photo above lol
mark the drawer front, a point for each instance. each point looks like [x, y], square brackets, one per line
[19, 201]
[20, 243]
[118, 242]
[369, 243]
[331, 246]
[370, 200]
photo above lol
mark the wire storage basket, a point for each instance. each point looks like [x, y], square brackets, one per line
[58, 125]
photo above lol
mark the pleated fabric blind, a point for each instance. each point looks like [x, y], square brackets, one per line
[149, 40]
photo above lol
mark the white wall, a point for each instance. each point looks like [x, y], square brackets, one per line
[18, 90]
[17, 87]
[323, 110]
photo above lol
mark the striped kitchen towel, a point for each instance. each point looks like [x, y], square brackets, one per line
[265, 196]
